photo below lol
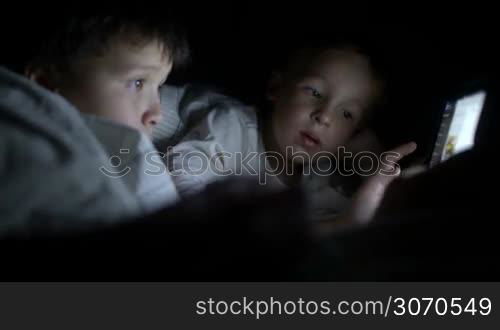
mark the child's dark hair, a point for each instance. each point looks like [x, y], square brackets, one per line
[65, 41]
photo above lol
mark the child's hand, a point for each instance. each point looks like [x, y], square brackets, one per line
[368, 197]
[370, 194]
[413, 170]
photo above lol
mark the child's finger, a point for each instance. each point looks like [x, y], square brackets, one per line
[395, 155]
[404, 149]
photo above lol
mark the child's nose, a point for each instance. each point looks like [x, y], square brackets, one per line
[152, 116]
[321, 116]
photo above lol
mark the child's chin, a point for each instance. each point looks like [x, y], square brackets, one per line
[310, 150]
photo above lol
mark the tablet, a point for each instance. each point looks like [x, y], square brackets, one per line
[458, 126]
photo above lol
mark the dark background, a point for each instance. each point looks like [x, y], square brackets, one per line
[235, 48]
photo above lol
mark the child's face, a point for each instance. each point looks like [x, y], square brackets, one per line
[321, 109]
[122, 84]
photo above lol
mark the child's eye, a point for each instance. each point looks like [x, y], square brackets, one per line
[314, 92]
[347, 114]
[139, 84]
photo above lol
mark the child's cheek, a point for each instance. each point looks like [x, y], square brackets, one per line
[337, 136]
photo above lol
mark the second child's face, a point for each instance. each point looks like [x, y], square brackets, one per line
[122, 84]
[321, 109]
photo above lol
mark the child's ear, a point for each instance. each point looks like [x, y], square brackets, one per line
[274, 85]
[42, 77]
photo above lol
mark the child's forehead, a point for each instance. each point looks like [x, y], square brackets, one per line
[123, 53]
[347, 73]
[335, 64]
[145, 48]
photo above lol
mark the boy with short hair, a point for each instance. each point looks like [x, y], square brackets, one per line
[111, 69]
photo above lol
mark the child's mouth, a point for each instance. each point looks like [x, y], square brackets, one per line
[309, 140]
